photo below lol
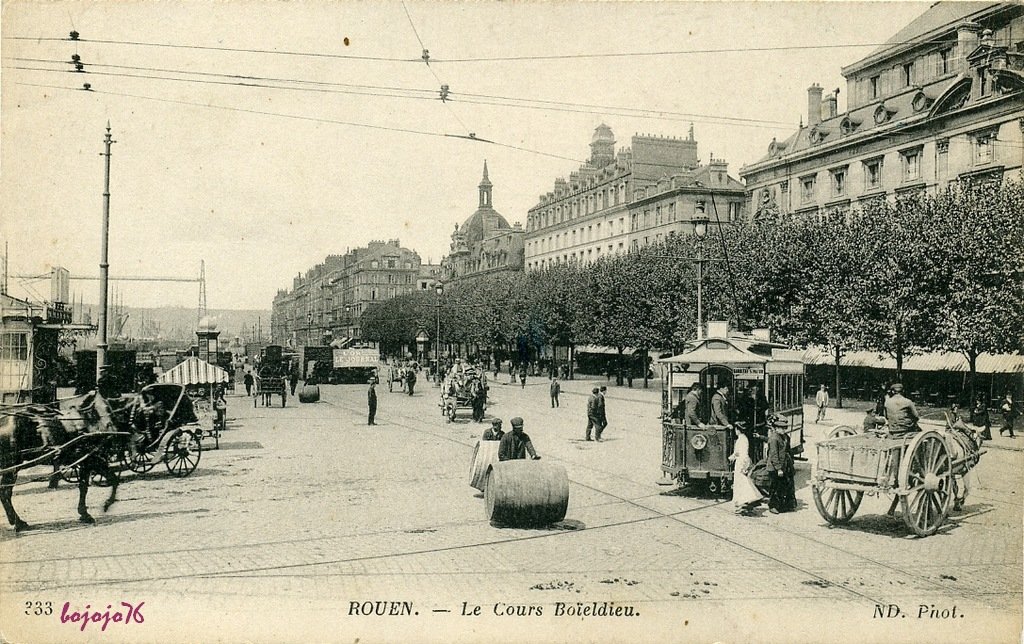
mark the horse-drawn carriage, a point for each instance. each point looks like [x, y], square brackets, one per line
[924, 470]
[458, 392]
[268, 385]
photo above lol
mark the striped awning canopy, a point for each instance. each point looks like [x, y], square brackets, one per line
[935, 361]
[194, 371]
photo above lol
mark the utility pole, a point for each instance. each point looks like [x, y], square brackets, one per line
[101, 346]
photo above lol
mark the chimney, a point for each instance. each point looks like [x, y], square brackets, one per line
[831, 105]
[966, 40]
[813, 105]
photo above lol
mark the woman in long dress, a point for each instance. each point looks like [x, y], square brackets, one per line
[744, 494]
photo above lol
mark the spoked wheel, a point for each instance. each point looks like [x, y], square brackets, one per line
[926, 481]
[140, 462]
[182, 453]
[834, 505]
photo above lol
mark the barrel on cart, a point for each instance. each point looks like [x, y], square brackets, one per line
[526, 493]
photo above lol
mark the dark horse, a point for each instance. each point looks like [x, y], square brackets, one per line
[36, 435]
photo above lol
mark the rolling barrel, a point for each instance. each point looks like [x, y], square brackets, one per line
[523, 493]
[485, 454]
[309, 393]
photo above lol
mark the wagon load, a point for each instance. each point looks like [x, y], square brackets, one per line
[309, 394]
[485, 455]
[525, 493]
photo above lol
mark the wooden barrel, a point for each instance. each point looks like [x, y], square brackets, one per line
[309, 393]
[485, 454]
[525, 493]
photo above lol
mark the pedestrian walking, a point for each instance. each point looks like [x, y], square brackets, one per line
[511, 374]
[478, 399]
[371, 401]
[516, 444]
[555, 388]
[522, 377]
[248, 380]
[602, 413]
[1011, 412]
[780, 469]
[981, 418]
[410, 379]
[821, 400]
[293, 380]
[745, 495]
[593, 417]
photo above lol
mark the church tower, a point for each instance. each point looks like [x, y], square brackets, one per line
[485, 190]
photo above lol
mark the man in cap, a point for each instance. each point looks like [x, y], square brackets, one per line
[494, 432]
[901, 412]
[782, 497]
[593, 413]
[516, 444]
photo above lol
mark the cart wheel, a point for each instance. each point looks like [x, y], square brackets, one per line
[140, 463]
[839, 431]
[926, 483]
[182, 453]
[836, 506]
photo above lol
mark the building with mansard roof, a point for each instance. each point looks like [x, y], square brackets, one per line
[485, 243]
[627, 199]
[942, 101]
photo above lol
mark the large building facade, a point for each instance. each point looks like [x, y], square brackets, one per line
[485, 243]
[325, 304]
[628, 198]
[943, 101]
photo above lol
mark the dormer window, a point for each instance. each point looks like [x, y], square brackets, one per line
[921, 102]
[882, 114]
[848, 125]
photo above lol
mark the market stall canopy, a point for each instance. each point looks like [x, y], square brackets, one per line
[194, 371]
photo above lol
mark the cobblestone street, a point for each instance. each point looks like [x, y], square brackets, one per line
[305, 510]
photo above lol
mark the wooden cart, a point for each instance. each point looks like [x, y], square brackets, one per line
[920, 468]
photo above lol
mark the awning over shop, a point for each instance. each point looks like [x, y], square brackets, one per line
[934, 361]
[595, 348]
[194, 371]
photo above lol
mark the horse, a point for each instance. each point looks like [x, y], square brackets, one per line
[38, 434]
[964, 443]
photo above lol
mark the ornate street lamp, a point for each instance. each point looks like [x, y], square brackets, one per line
[700, 231]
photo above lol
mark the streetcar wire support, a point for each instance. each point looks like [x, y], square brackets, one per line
[728, 264]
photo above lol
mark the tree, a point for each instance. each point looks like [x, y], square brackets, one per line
[976, 243]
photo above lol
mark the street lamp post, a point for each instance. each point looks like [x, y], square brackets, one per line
[700, 230]
[439, 289]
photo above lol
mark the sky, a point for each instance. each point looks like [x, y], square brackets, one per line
[345, 144]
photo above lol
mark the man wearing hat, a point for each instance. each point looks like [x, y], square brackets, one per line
[782, 497]
[516, 444]
[494, 432]
[593, 411]
[901, 412]
[602, 413]
[371, 399]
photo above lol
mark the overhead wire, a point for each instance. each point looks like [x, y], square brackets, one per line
[417, 93]
[426, 61]
[479, 59]
[301, 117]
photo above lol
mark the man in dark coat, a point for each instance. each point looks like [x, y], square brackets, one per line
[516, 444]
[293, 380]
[721, 411]
[593, 417]
[410, 379]
[602, 413]
[688, 409]
[780, 469]
[555, 389]
[371, 400]
[248, 380]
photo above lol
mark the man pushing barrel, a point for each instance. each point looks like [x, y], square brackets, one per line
[516, 443]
